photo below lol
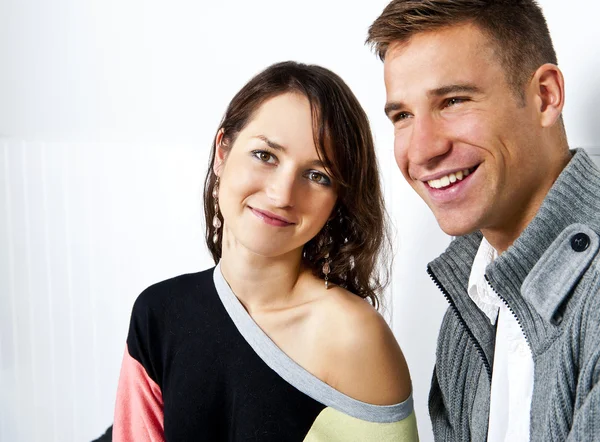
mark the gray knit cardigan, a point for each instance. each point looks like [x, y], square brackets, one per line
[550, 279]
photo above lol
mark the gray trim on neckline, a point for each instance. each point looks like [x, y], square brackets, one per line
[293, 373]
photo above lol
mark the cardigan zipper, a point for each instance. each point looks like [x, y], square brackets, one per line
[510, 309]
[454, 309]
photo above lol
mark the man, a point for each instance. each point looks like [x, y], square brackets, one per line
[475, 97]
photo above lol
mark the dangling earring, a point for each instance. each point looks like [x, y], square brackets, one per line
[216, 221]
[326, 270]
[327, 264]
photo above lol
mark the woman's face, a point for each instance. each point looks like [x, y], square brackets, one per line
[274, 192]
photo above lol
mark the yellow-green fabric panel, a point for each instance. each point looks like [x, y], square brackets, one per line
[333, 426]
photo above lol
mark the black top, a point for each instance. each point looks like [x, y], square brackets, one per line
[199, 368]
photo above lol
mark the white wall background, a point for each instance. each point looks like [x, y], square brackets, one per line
[107, 112]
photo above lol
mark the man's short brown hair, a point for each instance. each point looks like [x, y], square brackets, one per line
[517, 28]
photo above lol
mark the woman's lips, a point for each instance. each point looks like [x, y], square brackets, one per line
[271, 218]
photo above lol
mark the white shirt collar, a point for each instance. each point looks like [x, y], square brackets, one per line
[479, 290]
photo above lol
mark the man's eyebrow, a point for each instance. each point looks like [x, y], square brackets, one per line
[437, 92]
[393, 106]
[454, 89]
[271, 144]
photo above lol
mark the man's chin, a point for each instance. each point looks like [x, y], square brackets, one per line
[456, 228]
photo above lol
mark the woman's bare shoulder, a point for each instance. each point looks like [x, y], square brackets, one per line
[361, 355]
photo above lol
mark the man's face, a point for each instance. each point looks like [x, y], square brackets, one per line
[463, 139]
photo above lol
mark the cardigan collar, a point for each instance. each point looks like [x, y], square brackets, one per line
[571, 207]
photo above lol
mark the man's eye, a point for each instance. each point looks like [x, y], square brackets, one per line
[400, 116]
[454, 100]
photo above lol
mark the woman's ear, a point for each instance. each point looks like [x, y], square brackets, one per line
[220, 153]
[549, 87]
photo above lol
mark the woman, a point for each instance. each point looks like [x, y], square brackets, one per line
[276, 342]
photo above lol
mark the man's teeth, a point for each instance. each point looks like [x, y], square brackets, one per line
[448, 179]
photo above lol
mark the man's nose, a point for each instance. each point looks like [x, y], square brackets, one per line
[427, 141]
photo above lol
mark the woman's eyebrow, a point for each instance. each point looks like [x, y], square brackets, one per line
[271, 144]
[276, 146]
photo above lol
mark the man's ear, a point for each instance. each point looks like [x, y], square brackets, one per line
[220, 153]
[549, 87]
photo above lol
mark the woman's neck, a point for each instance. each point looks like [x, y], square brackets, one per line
[261, 283]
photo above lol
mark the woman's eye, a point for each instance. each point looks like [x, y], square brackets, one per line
[319, 178]
[264, 156]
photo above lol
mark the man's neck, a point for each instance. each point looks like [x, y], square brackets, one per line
[506, 232]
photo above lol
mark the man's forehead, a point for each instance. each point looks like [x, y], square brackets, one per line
[436, 59]
[463, 38]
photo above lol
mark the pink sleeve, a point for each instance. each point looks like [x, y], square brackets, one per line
[139, 408]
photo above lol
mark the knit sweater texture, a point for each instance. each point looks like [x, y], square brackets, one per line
[550, 279]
